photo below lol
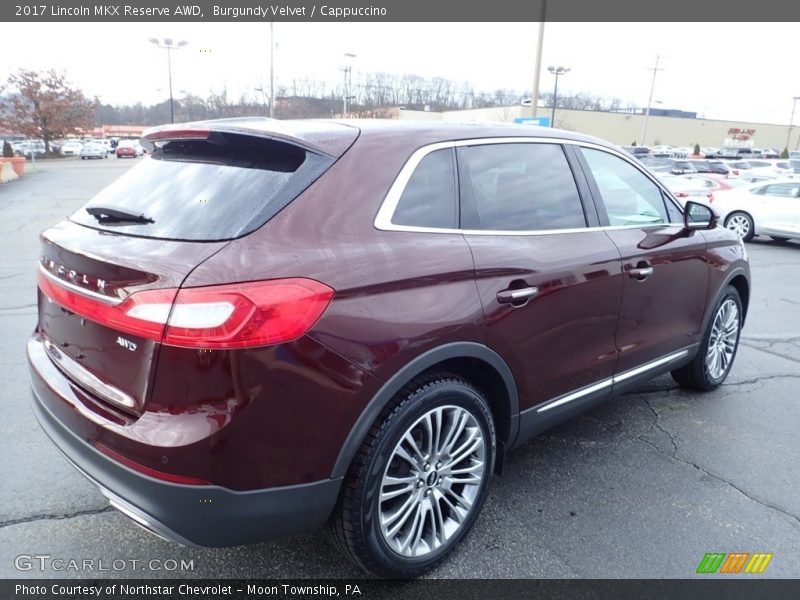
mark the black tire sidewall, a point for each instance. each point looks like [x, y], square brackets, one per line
[450, 392]
[730, 292]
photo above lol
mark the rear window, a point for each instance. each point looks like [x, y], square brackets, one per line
[204, 190]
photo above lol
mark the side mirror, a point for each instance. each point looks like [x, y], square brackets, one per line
[698, 216]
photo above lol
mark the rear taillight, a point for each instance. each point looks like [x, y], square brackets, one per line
[248, 314]
[224, 316]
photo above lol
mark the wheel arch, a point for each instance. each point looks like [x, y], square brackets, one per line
[475, 362]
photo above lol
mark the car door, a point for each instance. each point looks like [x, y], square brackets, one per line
[665, 282]
[776, 209]
[549, 283]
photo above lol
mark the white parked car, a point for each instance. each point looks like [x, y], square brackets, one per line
[72, 148]
[93, 150]
[767, 208]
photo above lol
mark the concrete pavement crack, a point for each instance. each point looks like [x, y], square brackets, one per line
[760, 379]
[34, 518]
[767, 351]
[674, 456]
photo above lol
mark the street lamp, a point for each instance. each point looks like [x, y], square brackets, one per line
[556, 71]
[347, 70]
[791, 123]
[169, 45]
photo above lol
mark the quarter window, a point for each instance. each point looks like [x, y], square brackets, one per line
[519, 187]
[429, 198]
[630, 198]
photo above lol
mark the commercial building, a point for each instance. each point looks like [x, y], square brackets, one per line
[625, 128]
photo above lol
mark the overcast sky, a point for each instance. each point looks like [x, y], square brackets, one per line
[738, 71]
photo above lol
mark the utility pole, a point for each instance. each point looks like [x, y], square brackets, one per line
[650, 99]
[347, 69]
[271, 70]
[791, 123]
[537, 70]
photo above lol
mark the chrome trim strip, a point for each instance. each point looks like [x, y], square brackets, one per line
[575, 395]
[613, 380]
[383, 220]
[78, 289]
[651, 365]
[85, 378]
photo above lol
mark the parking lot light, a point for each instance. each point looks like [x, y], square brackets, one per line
[556, 71]
[169, 45]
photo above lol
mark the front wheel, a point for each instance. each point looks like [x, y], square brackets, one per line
[714, 359]
[419, 480]
[741, 224]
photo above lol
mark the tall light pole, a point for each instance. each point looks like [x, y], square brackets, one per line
[347, 70]
[557, 71]
[537, 69]
[650, 99]
[169, 45]
[271, 70]
[791, 123]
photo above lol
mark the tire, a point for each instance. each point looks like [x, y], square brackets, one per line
[779, 240]
[741, 223]
[383, 537]
[704, 373]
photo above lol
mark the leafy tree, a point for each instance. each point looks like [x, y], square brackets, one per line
[8, 151]
[785, 153]
[44, 105]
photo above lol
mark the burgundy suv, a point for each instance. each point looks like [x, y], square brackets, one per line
[268, 326]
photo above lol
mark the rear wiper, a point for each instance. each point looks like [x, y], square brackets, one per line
[109, 214]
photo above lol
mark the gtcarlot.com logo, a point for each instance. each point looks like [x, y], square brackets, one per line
[734, 562]
[46, 562]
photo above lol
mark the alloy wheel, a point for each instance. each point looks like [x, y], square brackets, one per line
[431, 481]
[723, 339]
[739, 224]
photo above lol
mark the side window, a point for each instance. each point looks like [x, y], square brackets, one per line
[630, 198]
[429, 198]
[519, 187]
[784, 190]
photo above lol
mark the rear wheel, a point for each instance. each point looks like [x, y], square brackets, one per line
[742, 224]
[419, 480]
[714, 359]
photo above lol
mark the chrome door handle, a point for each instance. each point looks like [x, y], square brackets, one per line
[517, 296]
[640, 273]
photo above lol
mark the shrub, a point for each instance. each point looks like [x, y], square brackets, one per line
[8, 151]
[785, 153]
[696, 149]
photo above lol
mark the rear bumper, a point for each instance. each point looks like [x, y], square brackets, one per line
[197, 515]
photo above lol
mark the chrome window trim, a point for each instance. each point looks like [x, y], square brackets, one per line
[383, 219]
[620, 377]
[77, 289]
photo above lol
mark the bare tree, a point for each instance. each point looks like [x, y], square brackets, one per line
[44, 105]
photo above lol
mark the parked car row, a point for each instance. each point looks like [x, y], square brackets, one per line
[753, 205]
[711, 153]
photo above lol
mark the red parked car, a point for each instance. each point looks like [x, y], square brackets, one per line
[273, 325]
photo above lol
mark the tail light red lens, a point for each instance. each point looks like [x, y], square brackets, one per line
[225, 316]
[249, 314]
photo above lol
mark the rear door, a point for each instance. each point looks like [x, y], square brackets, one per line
[665, 267]
[550, 284]
[108, 276]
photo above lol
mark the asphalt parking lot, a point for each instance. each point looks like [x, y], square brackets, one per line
[642, 487]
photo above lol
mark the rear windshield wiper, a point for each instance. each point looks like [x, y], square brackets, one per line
[109, 214]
